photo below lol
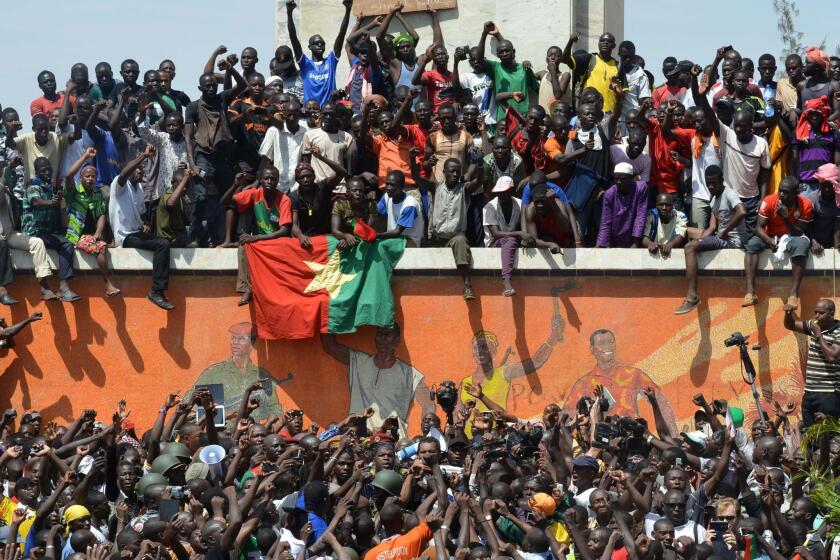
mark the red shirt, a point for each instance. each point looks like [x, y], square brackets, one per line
[665, 92]
[803, 211]
[665, 171]
[435, 82]
[418, 135]
[44, 105]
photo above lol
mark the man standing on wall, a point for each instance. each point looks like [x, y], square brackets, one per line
[625, 383]
[381, 381]
[822, 369]
[238, 372]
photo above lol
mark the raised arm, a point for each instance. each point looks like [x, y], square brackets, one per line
[419, 180]
[210, 65]
[385, 47]
[698, 91]
[340, 171]
[408, 27]
[129, 169]
[290, 24]
[178, 192]
[566, 57]
[69, 180]
[338, 351]
[342, 30]
[489, 29]
[422, 61]
[437, 32]
[64, 112]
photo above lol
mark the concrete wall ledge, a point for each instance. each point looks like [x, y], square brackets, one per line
[439, 261]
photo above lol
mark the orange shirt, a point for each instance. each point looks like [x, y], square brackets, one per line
[552, 149]
[804, 211]
[403, 547]
[394, 155]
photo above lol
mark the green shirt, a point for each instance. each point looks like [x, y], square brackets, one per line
[37, 220]
[506, 81]
[235, 382]
[82, 206]
[171, 223]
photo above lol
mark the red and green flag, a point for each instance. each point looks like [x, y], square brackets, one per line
[299, 292]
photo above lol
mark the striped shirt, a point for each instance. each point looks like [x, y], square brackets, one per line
[816, 151]
[822, 376]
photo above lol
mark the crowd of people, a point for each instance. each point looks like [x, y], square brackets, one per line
[587, 152]
[471, 481]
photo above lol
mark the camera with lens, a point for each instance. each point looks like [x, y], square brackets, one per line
[735, 339]
[528, 442]
[495, 449]
[585, 403]
[446, 395]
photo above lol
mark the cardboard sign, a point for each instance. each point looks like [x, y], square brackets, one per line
[382, 7]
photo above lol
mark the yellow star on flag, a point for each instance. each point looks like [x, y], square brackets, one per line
[328, 276]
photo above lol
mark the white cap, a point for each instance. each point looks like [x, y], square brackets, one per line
[504, 183]
[624, 168]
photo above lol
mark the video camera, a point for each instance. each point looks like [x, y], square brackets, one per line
[629, 430]
[446, 395]
[528, 442]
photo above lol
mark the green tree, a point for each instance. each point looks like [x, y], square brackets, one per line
[786, 14]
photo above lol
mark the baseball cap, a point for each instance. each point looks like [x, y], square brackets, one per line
[586, 462]
[725, 100]
[503, 184]
[543, 503]
[696, 437]
[285, 58]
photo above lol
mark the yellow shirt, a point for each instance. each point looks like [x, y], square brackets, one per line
[600, 78]
[495, 388]
[7, 510]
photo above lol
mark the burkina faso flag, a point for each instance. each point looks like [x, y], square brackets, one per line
[299, 292]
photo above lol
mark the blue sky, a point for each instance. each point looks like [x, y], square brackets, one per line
[54, 34]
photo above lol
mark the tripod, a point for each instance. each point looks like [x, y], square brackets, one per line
[750, 377]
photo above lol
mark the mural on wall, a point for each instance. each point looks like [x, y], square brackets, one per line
[237, 372]
[550, 344]
[380, 380]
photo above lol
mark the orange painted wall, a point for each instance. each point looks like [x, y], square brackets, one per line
[99, 350]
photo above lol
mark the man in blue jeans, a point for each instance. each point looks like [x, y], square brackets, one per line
[822, 369]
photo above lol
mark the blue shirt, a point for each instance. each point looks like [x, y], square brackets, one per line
[318, 77]
[559, 193]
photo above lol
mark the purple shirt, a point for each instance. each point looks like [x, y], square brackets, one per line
[623, 216]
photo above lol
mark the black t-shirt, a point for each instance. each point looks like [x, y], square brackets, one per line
[314, 219]
[180, 97]
[250, 130]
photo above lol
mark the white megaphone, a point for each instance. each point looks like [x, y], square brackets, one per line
[213, 455]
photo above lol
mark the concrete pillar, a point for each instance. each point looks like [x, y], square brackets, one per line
[532, 25]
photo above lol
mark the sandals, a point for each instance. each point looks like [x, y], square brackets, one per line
[792, 303]
[48, 295]
[245, 299]
[687, 305]
[509, 292]
[749, 300]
